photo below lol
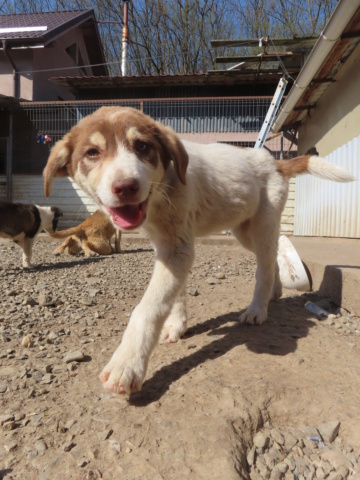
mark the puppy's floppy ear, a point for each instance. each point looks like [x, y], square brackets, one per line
[57, 163]
[174, 150]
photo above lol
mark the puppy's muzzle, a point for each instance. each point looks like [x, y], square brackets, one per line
[125, 189]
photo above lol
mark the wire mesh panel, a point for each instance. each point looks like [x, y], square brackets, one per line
[207, 119]
[235, 121]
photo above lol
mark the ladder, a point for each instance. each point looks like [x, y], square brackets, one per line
[274, 106]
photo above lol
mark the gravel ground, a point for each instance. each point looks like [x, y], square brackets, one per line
[228, 401]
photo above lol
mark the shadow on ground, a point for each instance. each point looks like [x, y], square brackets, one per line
[278, 336]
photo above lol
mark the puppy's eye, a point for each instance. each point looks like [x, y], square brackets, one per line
[141, 147]
[92, 153]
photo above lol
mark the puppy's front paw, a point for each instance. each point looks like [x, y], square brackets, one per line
[254, 316]
[123, 374]
[172, 330]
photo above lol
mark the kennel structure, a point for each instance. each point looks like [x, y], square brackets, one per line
[37, 126]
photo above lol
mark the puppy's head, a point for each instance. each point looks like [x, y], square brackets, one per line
[118, 155]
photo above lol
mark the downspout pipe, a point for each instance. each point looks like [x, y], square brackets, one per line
[16, 92]
[340, 18]
[125, 40]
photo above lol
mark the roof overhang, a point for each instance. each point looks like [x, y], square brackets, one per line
[75, 84]
[335, 44]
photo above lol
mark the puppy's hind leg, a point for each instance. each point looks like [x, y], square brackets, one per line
[277, 287]
[176, 323]
[262, 238]
[27, 251]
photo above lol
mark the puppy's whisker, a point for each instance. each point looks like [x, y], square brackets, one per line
[160, 184]
[163, 193]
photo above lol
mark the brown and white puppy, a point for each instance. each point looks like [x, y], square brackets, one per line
[93, 236]
[143, 176]
[22, 223]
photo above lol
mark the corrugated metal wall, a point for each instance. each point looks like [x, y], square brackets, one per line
[329, 209]
[74, 203]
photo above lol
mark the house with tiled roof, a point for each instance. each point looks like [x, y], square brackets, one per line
[37, 46]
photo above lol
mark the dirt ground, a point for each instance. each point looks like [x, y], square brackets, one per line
[204, 398]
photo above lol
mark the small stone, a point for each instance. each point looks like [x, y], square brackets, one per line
[276, 474]
[76, 356]
[26, 342]
[11, 446]
[88, 302]
[3, 388]
[31, 455]
[68, 446]
[47, 378]
[115, 446]
[193, 291]
[290, 441]
[45, 300]
[41, 446]
[102, 436]
[69, 424]
[212, 281]
[277, 436]
[52, 336]
[30, 301]
[283, 467]
[220, 275]
[11, 425]
[261, 440]
[251, 456]
[82, 462]
[329, 430]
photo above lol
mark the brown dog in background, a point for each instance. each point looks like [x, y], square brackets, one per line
[93, 236]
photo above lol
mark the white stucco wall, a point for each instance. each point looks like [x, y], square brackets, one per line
[55, 56]
[336, 118]
[35, 84]
[23, 60]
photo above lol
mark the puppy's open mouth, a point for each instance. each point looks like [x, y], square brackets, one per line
[128, 216]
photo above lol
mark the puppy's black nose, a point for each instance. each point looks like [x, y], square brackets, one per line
[125, 188]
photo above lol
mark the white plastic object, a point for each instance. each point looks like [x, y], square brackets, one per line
[292, 272]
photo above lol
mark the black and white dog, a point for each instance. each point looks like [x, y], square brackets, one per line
[21, 223]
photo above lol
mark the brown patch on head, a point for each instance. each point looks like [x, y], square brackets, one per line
[293, 167]
[173, 150]
[91, 144]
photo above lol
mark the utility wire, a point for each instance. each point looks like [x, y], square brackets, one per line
[282, 66]
[90, 65]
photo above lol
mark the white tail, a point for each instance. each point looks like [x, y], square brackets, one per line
[321, 168]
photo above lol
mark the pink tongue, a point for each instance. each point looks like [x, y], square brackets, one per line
[130, 216]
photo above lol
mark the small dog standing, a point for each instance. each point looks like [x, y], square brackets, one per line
[93, 236]
[22, 223]
[144, 176]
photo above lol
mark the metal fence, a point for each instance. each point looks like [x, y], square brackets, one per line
[229, 120]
